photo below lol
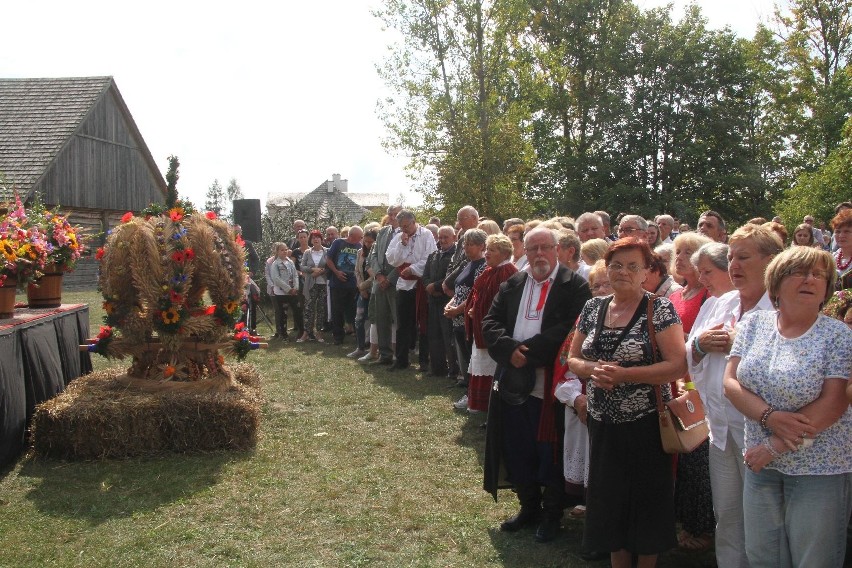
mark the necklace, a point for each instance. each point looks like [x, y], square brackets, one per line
[840, 264]
[612, 317]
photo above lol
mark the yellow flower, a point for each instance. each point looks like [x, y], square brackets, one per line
[109, 308]
[8, 251]
[170, 316]
[230, 307]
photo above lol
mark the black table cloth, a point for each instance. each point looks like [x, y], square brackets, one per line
[39, 356]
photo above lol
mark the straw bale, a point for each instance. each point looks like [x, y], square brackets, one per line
[98, 417]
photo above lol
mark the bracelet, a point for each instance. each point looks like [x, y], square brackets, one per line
[768, 444]
[689, 385]
[697, 347]
[765, 416]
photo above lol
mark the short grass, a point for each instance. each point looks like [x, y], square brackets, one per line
[355, 467]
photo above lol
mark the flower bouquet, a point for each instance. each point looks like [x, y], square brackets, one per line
[64, 241]
[24, 247]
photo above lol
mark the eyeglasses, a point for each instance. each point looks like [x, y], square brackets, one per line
[804, 274]
[628, 230]
[539, 248]
[618, 267]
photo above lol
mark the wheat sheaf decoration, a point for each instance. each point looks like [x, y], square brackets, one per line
[172, 282]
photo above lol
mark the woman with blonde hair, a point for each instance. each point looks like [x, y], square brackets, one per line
[490, 227]
[593, 250]
[786, 374]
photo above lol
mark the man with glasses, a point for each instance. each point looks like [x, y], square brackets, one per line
[408, 252]
[633, 226]
[528, 321]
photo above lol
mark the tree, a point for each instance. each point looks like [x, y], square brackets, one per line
[234, 191]
[171, 181]
[215, 198]
[817, 39]
[817, 193]
[456, 111]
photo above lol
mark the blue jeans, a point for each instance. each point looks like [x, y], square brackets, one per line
[796, 520]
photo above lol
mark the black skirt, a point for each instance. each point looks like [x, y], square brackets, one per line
[630, 499]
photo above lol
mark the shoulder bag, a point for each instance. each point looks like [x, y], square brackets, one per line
[683, 425]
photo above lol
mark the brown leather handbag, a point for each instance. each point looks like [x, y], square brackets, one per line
[683, 424]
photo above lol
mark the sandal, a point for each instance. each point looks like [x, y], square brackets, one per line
[689, 541]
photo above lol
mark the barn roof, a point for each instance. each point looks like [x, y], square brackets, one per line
[38, 117]
[325, 202]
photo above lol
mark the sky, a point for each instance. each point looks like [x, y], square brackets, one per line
[278, 95]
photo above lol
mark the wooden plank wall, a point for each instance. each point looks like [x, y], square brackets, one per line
[102, 167]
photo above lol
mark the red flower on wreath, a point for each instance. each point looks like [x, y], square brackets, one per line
[175, 297]
[99, 254]
[210, 310]
[176, 214]
[127, 217]
[210, 215]
[105, 332]
[178, 257]
[239, 336]
[239, 326]
[240, 241]
[189, 254]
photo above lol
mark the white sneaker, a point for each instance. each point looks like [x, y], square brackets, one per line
[461, 404]
[357, 354]
[366, 358]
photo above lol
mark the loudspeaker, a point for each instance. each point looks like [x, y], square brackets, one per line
[247, 216]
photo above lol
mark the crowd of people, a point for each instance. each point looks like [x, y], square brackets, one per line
[568, 336]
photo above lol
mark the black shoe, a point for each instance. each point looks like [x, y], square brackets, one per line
[594, 556]
[383, 361]
[526, 517]
[547, 530]
[399, 366]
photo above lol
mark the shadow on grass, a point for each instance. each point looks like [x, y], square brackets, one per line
[99, 491]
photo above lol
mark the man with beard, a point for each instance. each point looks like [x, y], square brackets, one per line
[528, 321]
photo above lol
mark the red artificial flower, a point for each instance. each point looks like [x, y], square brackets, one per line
[178, 257]
[240, 241]
[176, 214]
[241, 335]
[105, 332]
[100, 253]
[175, 297]
[210, 215]
[210, 310]
[239, 326]
[127, 217]
[189, 254]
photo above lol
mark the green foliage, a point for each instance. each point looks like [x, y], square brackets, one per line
[523, 107]
[214, 200]
[234, 190]
[817, 193]
[171, 181]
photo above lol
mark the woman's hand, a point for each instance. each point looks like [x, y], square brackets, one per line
[715, 340]
[608, 374]
[791, 428]
[581, 407]
[757, 457]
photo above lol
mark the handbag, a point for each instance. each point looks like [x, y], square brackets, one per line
[683, 424]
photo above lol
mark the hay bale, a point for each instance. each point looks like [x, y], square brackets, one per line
[98, 417]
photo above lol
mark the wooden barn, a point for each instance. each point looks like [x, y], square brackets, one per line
[74, 142]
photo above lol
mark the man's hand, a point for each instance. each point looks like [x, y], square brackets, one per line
[518, 359]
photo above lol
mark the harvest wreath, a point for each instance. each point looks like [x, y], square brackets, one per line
[172, 280]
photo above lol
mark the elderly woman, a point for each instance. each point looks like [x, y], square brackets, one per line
[314, 271]
[787, 373]
[499, 267]
[474, 250]
[630, 506]
[707, 347]
[842, 226]
[659, 281]
[593, 250]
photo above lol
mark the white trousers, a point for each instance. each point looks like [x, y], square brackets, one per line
[727, 473]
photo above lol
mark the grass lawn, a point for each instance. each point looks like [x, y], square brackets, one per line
[356, 466]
